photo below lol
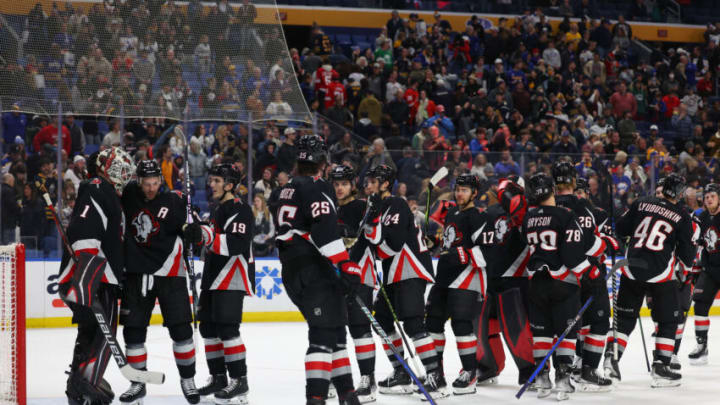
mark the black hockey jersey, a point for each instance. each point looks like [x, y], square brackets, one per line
[710, 245]
[585, 212]
[462, 264]
[504, 247]
[153, 243]
[229, 264]
[349, 216]
[399, 242]
[556, 243]
[307, 219]
[97, 226]
[662, 236]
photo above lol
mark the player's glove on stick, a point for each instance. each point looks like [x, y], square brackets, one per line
[197, 234]
[349, 276]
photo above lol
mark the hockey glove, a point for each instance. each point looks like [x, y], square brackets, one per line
[612, 243]
[192, 233]
[349, 276]
[375, 200]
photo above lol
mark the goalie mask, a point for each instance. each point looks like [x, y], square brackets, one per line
[116, 166]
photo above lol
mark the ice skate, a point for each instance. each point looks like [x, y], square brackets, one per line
[542, 384]
[591, 381]
[699, 355]
[215, 383]
[350, 398]
[189, 390]
[397, 383]
[366, 389]
[612, 369]
[465, 383]
[79, 391]
[332, 392]
[663, 376]
[675, 363]
[486, 378]
[576, 369]
[563, 385]
[435, 385]
[134, 395]
[235, 392]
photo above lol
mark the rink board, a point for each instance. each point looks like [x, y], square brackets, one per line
[270, 303]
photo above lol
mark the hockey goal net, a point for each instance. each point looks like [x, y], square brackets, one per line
[12, 324]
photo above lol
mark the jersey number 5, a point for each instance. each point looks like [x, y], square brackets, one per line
[654, 239]
[286, 213]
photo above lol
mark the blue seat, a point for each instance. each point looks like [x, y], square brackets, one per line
[343, 39]
[90, 149]
[103, 127]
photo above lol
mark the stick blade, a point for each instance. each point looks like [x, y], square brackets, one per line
[439, 175]
[142, 376]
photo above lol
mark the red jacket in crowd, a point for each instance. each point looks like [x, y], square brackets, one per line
[49, 135]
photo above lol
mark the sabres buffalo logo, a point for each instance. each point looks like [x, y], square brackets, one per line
[711, 238]
[501, 229]
[144, 226]
[451, 236]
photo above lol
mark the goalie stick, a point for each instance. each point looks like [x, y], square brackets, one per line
[571, 325]
[141, 376]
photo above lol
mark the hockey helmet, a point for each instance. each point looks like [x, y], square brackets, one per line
[116, 166]
[512, 199]
[712, 188]
[382, 173]
[540, 186]
[582, 185]
[342, 172]
[311, 148]
[674, 186]
[227, 172]
[468, 180]
[563, 172]
[148, 168]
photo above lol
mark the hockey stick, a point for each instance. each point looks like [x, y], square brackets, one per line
[613, 275]
[132, 374]
[379, 330]
[642, 335]
[434, 180]
[562, 337]
[396, 320]
[189, 248]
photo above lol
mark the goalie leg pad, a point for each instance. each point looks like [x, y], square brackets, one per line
[515, 326]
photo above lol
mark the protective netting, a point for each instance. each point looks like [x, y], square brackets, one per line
[12, 379]
[145, 58]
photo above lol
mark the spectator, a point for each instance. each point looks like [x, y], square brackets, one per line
[32, 218]
[378, 155]
[446, 126]
[77, 136]
[10, 209]
[264, 230]
[49, 135]
[506, 166]
[623, 102]
[371, 107]
[627, 129]
[198, 164]
[562, 147]
[681, 122]
[13, 125]
[286, 152]
[77, 172]
[114, 136]
[266, 184]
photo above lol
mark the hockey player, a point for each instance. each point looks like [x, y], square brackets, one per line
[350, 213]
[228, 276]
[506, 253]
[557, 263]
[96, 226]
[661, 235]
[595, 321]
[155, 270]
[407, 268]
[310, 249]
[460, 282]
[708, 282]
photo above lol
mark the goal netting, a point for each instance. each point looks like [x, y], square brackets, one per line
[215, 60]
[12, 324]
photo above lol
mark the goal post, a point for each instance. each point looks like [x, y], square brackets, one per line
[12, 325]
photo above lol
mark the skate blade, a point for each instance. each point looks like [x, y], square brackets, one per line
[544, 392]
[332, 393]
[699, 362]
[396, 390]
[488, 381]
[470, 389]
[135, 402]
[562, 396]
[663, 383]
[364, 399]
[590, 388]
[440, 393]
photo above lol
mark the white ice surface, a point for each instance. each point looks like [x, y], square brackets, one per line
[276, 370]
